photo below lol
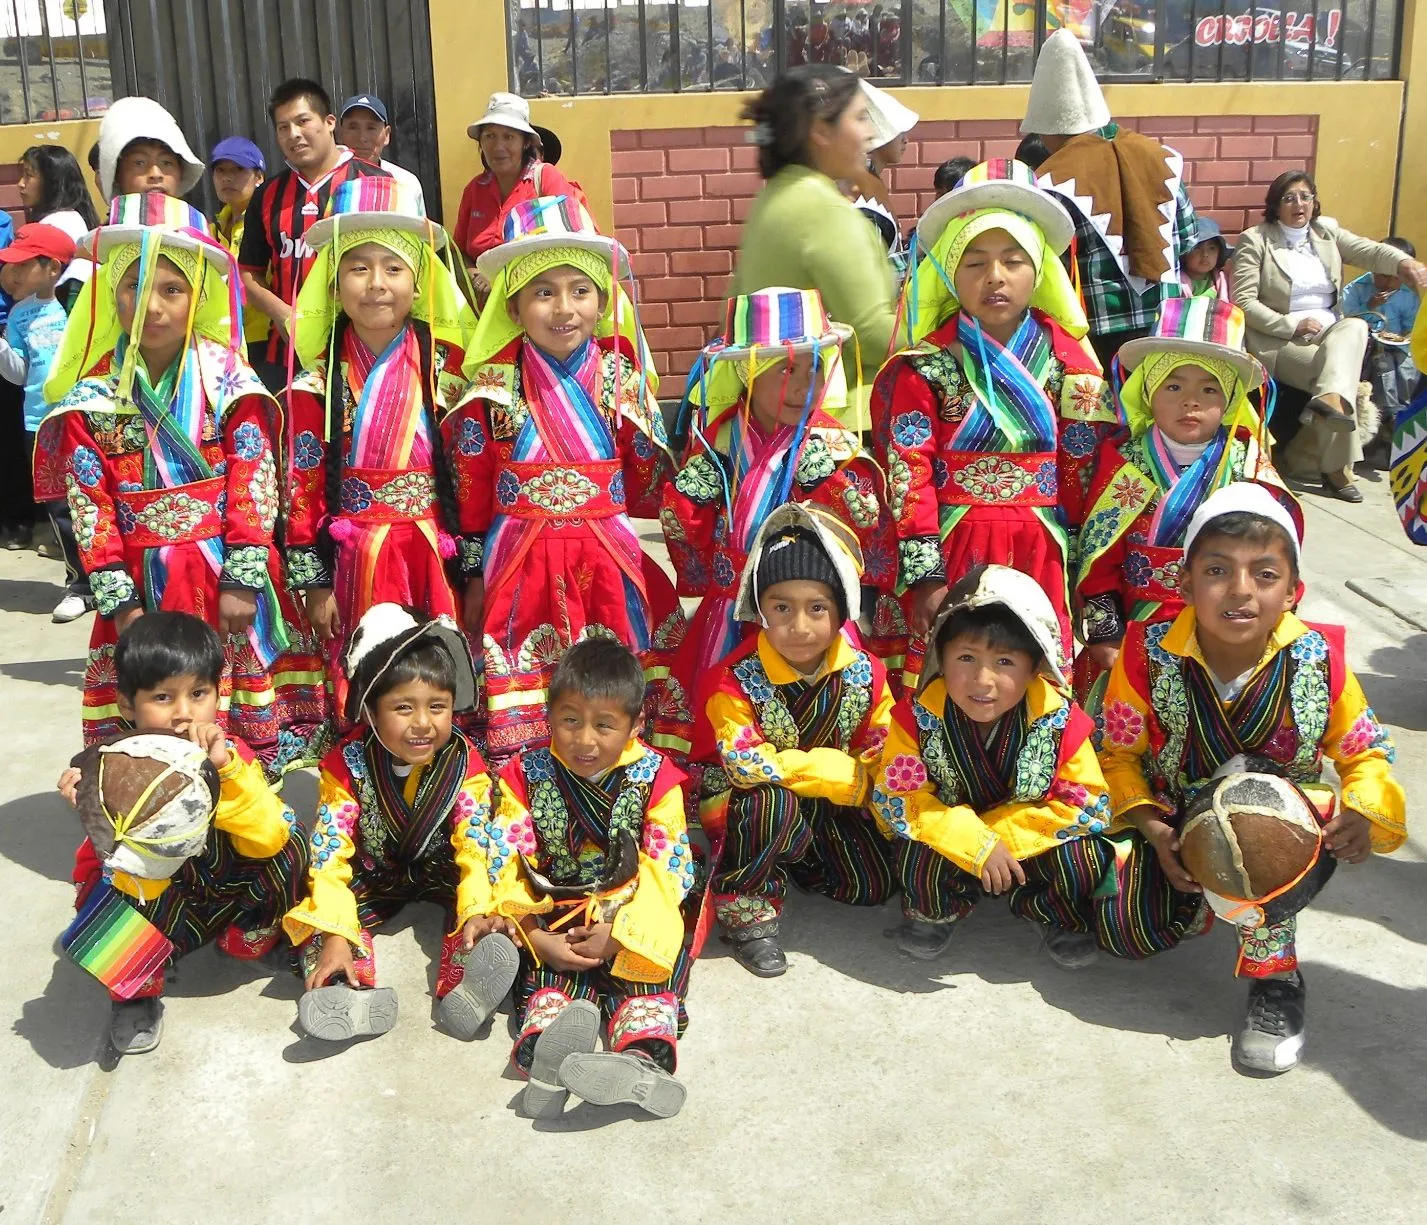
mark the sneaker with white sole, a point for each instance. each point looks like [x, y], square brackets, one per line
[1272, 1037]
[71, 608]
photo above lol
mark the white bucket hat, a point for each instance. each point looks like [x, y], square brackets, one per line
[512, 111]
[1022, 597]
[890, 119]
[1066, 99]
[131, 119]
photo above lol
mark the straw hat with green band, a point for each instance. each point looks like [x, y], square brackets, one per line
[141, 228]
[997, 195]
[553, 232]
[1191, 331]
[384, 212]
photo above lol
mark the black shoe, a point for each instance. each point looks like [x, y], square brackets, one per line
[923, 939]
[1346, 493]
[1272, 1036]
[757, 949]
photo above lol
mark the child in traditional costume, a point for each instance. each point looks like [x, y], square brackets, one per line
[792, 724]
[591, 832]
[373, 517]
[403, 817]
[764, 435]
[970, 417]
[989, 778]
[161, 438]
[1235, 673]
[1191, 431]
[558, 441]
[162, 873]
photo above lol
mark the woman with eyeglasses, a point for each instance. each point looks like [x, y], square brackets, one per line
[1287, 278]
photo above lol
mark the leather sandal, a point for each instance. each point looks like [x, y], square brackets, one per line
[757, 950]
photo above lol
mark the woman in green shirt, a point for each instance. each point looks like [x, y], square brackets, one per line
[812, 129]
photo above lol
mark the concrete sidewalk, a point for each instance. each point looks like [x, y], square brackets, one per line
[989, 1086]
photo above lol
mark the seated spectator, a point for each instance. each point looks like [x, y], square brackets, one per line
[1390, 310]
[1203, 272]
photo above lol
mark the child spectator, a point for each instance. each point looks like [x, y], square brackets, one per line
[1191, 431]
[1203, 269]
[1032, 151]
[591, 831]
[791, 727]
[765, 394]
[989, 778]
[380, 329]
[404, 808]
[558, 442]
[141, 148]
[1235, 673]
[53, 192]
[970, 416]
[237, 168]
[1390, 308]
[275, 255]
[949, 174]
[30, 269]
[167, 669]
[160, 438]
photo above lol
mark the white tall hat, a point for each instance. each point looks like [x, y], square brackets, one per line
[890, 119]
[1066, 99]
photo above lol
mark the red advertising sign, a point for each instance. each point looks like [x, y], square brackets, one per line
[1262, 27]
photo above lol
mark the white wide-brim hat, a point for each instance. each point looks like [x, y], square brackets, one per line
[131, 119]
[1025, 198]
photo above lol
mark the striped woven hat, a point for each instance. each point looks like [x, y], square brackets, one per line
[774, 321]
[178, 223]
[1001, 183]
[372, 203]
[550, 221]
[1199, 325]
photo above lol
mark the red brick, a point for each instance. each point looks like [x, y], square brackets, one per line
[670, 187]
[1249, 196]
[637, 162]
[719, 263]
[655, 263]
[671, 288]
[726, 136]
[742, 183]
[1224, 123]
[1201, 197]
[743, 157]
[903, 203]
[672, 238]
[640, 214]
[1283, 123]
[1266, 172]
[671, 138]
[1219, 171]
[623, 191]
[990, 129]
[624, 140]
[1231, 221]
[999, 148]
[938, 129]
[696, 314]
[1159, 125]
[683, 160]
[742, 206]
[630, 238]
[934, 152]
[1193, 148]
[1301, 147]
[689, 211]
[674, 339]
[727, 236]
[912, 178]
[653, 314]
[1245, 146]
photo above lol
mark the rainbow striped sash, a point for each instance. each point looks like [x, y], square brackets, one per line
[113, 941]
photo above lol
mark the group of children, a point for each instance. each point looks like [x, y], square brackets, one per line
[874, 696]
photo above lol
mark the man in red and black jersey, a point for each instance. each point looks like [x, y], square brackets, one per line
[275, 257]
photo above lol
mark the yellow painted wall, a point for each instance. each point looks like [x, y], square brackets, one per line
[75, 135]
[1411, 220]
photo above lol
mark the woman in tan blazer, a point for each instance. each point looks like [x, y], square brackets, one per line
[1287, 275]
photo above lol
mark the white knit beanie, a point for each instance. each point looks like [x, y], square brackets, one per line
[131, 119]
[1065, 96]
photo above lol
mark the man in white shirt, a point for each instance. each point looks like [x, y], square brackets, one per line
[364, 128]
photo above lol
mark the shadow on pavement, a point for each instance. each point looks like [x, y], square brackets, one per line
[40, 832]
[67, 673]
[67, 1024]
[1384, 890]
[27, 595]
[1393, 682]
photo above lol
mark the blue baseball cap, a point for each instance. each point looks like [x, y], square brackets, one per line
[240, 151]
[370, 101]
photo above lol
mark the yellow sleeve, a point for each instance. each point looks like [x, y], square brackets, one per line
[1362, 750]
[471, 839]
[879, 724]
[330, 905]
[750, 761]
[1124, 744]
[905, 803]
[249, 811]
[512, 833]
[650, 926]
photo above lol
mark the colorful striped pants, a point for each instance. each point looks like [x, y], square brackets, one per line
[650, 1015]
[1057, 891]
[774, 835]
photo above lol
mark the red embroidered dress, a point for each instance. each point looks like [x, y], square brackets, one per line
[551, 460]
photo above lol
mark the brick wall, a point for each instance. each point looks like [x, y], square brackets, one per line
[681, 194]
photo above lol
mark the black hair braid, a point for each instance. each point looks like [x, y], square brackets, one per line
[450, 509]
[336, 438]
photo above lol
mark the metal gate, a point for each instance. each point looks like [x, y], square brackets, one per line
[214, 63]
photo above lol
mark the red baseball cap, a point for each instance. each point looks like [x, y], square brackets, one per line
[38, 241]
